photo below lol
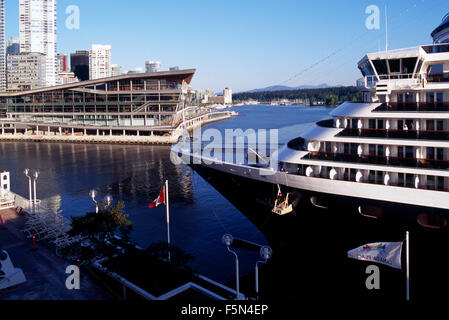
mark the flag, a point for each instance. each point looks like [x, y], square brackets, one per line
[387, 253]
[160, 200]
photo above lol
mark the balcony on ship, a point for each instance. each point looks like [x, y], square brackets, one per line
[396, 134]
[409, 162]
[413, 107]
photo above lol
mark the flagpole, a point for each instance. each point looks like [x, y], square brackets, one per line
[167, 205]
[407, 257]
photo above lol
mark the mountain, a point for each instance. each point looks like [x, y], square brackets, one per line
[285, 88]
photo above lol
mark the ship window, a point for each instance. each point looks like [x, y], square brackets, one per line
[430, 125]
[372, 124]
[410, 180]
[381, 66]
[436, 68]
[440, 125]
[431, 183]
[400, 152]
[430, 154]
[401, 125]
[430, 97]
[366, 69]
[409, 152]
[372, 149]
[353, 175]
[380, 124]
[380, 177]
[355, 123]
[401, 180]
[441, 184]
[395, 65]
[380, 151]
[440, 154]
[354, 148]
[372, 176]
[408, 65]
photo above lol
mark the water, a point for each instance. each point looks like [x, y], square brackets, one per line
[200, 216]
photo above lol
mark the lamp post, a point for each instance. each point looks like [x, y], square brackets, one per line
[227, 241]
[108, 199]
[93, 194]
[266, 253]
[36, 176]
[27, 174]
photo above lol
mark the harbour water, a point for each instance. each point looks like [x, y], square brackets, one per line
[200, 215]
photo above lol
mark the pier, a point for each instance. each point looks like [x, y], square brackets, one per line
[60, 132]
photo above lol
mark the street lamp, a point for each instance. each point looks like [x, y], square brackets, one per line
[108, 199]
[93, 194]
[266, 253]
[27, 173]
[227, 241]
[36, 176]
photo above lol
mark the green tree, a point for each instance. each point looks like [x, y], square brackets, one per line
[98, 227]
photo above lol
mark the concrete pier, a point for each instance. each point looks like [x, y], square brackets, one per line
[33, 131]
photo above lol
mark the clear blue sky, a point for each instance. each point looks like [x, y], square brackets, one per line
[244, 44]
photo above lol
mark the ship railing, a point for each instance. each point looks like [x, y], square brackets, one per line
[378, 160]
[439, 77]
[440, 106]
[376, 181]
[396, 134]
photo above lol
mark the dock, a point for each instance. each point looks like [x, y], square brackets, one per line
[39, 131]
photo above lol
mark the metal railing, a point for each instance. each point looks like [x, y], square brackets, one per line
[414, 107]
[378, 160]
[395, 134]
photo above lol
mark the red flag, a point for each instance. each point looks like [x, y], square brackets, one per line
[160, 200]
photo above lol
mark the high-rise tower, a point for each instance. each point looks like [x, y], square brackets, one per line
[37, 27]
[2, 47]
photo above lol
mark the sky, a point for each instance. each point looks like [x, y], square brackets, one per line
[244, 44]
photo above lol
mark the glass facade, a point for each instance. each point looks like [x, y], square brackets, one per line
[137, 100]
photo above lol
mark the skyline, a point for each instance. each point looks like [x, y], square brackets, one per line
[291, 43]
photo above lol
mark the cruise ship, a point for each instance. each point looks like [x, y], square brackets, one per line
[384, 158]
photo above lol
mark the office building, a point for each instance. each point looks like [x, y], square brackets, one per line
[153, 66]
[100, 62]
[2, 47]
[116, 70]
[26, 71]
[37, 27]
[12, 45]
[79, 64]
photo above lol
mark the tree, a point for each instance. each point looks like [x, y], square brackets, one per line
[98, 227]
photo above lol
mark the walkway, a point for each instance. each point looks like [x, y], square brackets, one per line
[45, 272]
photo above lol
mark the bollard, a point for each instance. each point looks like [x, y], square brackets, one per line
[4, 222]
[34, 242]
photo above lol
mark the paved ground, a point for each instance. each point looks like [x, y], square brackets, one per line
[45, 272]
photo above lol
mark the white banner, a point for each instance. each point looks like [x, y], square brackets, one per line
[387, 253]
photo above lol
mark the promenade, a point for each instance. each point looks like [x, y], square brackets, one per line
[44, 271]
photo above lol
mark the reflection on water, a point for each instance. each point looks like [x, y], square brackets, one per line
[200, 215]
[135, 174]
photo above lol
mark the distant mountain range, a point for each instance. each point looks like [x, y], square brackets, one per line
[286, 88]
